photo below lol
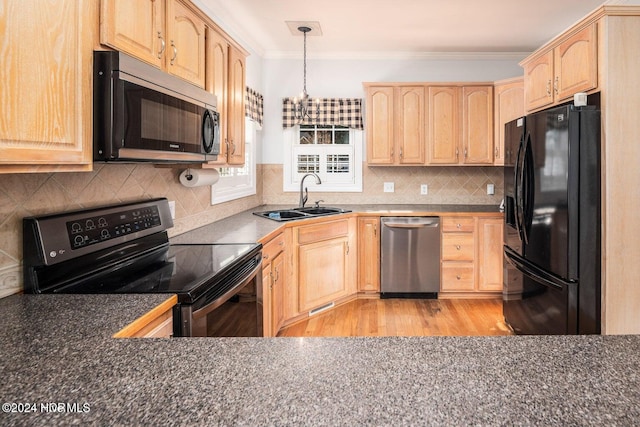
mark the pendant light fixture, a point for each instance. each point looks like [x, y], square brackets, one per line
[304, 109]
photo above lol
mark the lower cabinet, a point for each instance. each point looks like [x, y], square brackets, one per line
[471, 255]
[324, 264]
[369, 254]
[273, 282]
[157, 323]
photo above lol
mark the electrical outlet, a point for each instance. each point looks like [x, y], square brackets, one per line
[172, 208]
[491, 189]
[424, 189]
[388, 187]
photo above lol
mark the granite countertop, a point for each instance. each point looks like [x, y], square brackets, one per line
[245, 227]
[59, 349]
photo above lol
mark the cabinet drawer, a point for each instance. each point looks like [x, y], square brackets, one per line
[272, 248]
[458, 224]
[323, 231]
[457, 277]
[458, 247]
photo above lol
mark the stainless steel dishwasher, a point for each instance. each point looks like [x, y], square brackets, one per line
[410, 257]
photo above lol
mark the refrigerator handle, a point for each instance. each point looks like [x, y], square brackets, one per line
[517, 189]
[528, 182]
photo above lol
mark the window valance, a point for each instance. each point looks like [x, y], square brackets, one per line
[254, 105]
[333, 111]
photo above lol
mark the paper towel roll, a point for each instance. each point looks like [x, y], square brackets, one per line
[199, 177]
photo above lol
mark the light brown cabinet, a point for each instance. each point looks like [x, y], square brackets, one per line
[471, 255]
[46, 85]
[273, 284]
[368, 254]
[325, 267]
[458, 254]
[508, 106]
[395, 125]
[157, 323]
[226, 79]
[554, 75]
[490, 244]
[165, 33]
[460, 126]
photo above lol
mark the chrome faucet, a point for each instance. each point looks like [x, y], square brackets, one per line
[304, 194]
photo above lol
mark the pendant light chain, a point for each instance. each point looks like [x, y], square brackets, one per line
[302, 108]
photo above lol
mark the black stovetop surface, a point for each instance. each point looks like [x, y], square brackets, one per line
[186, 270]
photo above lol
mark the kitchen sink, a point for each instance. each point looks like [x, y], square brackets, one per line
[300, 213]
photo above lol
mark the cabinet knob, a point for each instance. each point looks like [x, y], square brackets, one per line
[458, 247]
[555, 85]
[548, 87]
[459, 225]
[458, 277]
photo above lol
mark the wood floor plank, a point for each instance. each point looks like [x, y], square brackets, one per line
[405, 317]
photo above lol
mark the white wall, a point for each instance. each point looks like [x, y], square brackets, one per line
[343, 78]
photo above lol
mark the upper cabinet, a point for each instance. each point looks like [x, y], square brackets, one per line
[46, 86]
[226, 79]
[508, 105]
[460, 125]
[395, 125]
[420, 124]
[444, 125]
[555, 74]
[164, 33]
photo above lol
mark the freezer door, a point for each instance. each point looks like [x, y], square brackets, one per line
[535, 303]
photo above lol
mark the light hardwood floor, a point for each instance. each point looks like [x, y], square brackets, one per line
[404, 317]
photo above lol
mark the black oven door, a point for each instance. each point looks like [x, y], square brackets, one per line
[233, 309]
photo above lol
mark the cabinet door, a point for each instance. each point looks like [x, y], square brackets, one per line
[538, 77]
[216, 82]
[490, 254]
[235, 107]
[575, 62]
[46, 85]
[379, 130]
[322, 274]
[509, 105]
[443, 130]
[368, 255]
[477, 125]
[267, 298]
[135, 27]
[410, 116]
[186, 35]
[277, 294]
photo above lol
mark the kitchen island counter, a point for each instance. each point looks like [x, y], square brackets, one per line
[59, 349]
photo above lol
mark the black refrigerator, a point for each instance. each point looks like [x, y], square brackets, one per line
[552, 222]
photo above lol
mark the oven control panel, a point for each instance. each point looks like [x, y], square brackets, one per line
[52, 239]
[100, 228]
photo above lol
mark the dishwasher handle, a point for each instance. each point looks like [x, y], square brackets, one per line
[413, 223]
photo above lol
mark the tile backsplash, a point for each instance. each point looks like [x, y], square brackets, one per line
[446, 184]
[36, 194]
[24, 195]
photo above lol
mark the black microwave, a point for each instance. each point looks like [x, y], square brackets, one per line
[142, 114]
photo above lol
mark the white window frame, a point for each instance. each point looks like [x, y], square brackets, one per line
[330, 182]
[236, 185]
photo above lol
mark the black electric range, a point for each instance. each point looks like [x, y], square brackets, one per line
[125, 249]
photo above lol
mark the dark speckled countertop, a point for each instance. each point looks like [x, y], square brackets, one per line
[245, 227]
[58, 349]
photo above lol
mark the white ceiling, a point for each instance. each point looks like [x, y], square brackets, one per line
[360, 28]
